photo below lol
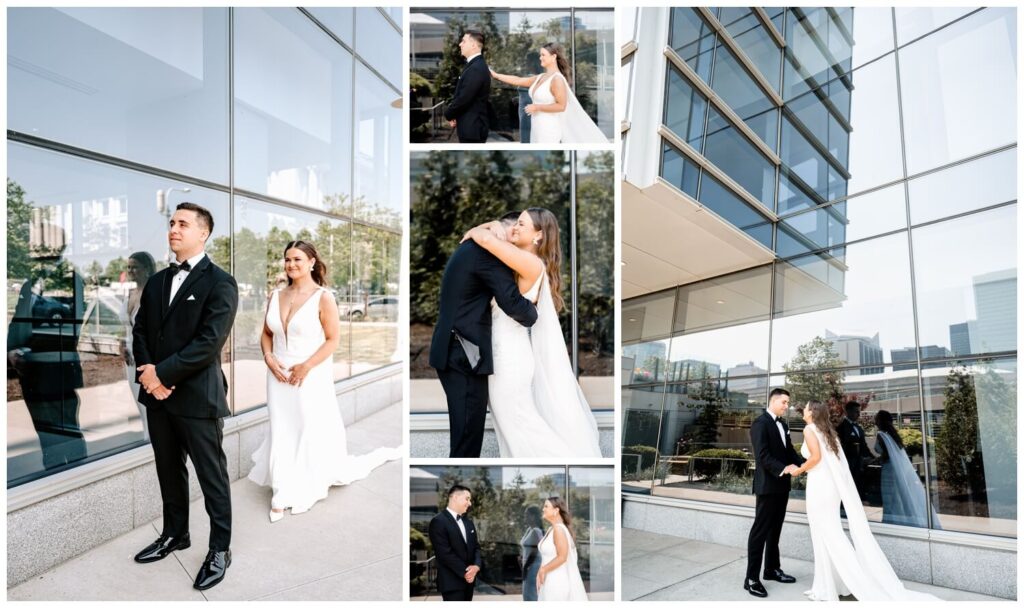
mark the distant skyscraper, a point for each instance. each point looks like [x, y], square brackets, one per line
[906, 358]
[960, 338]
[995, 301]
[858, 350]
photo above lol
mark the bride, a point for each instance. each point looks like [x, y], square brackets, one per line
[841, 567]
[556, 116]
[903, 495]
[559, 576]
[536, 404]
[304, 452]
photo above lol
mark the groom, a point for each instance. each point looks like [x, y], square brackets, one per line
[453, 537]
[460, 349]
[469, 112]
[184, 318]
[775, 460]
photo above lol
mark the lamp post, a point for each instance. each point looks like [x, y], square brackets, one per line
[164, 209]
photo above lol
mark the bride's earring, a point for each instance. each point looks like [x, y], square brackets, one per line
[536, 242]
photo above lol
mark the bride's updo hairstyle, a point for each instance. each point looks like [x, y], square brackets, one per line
[319, 272]
[563, 64]
[563, 512]
[822, 420]
[550, 251]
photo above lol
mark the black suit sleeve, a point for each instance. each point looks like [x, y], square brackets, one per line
[498, 279]
[473, 81]
[759, 438]
[438, 534]
[218, 315]
[140, 348]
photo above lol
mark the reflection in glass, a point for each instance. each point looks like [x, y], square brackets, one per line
[641, 421]
[378, 152]
[915, 21]
[739, 297]
[733, 153]
[376, 41]
[595, 220]
[337, 19]
[735, 210]
[744, 96]
[292, 109]
[152, 88]
[871, 31]
[966, 277]
[679, 170]
[959, 90]
[685, 109]
[989, 180]
[595, 58]
[693, 39]
[72, 227]
[748, 32]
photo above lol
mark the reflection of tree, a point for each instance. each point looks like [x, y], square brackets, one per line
[595, 221]
[19, 214]
[809, 376]
[709, 403]
[956, 447]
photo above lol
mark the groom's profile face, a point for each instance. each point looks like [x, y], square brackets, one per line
[779, 404]
[468, 46]
[460, 502]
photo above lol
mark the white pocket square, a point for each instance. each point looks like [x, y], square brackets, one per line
[191, 299]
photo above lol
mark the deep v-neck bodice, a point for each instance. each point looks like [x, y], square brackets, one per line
[301, 333]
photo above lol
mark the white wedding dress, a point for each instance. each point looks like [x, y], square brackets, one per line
[536, 403]
[903, 495]
[570, 126]
[842, 567]
[304, 452]
[564, 583]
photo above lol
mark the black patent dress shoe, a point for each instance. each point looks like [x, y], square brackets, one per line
[755, 588]
[213, 569]
[162, 547]
[778, 576]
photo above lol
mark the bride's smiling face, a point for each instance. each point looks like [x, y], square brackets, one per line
[524, 233]
[549, 512]
[546, 58]
[296, 263]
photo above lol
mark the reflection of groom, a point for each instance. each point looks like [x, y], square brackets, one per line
[775, 461]
[460, 349]
[453, 538]
[184, 317]
[469, 111]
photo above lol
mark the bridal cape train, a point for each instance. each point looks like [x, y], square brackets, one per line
[304, 452]
[536, 403]
[571, 126]
[903, 495]
[564, 583]
[841, 566]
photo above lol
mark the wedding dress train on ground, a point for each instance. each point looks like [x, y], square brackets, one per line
[536, 403]
[570, 126]
[304, 452]
[843, 567]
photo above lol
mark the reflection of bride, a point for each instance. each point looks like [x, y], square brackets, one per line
[903, 496]
[556, 116]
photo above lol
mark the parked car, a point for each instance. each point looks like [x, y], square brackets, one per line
[47, 310]
[383, 308]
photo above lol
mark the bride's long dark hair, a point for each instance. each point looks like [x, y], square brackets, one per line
[563, 512]
[563, 64]
[823, 421]
[550, 251]
[319, 270]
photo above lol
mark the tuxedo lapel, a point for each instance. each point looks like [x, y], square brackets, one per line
[458, 533]
[191, 279]
[165, 294]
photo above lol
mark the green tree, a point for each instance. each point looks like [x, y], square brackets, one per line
[810, 374]
[956, 447]
[19, 215]
[433, 214]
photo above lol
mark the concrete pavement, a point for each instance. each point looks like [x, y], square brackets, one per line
[349, 546]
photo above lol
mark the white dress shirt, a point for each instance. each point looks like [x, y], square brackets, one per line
[180, 277]
[462, 526]
[468, 59]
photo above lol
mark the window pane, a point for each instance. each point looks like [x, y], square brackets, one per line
[371, 324]
[872, 33]
[989, 180]
[260, 237]
[848, 306]
[735, 210]
[849, 220]
[595, 255]
[693, 39]
[959, 90]
[685, 109]
[376, 42]
[746, 29]
[644, 319]
[337, 19]
[594, 66]
[293, 109]
[914, 22]
[733, 153]
[641, 420]
[738, 89]
[82, 239]
[972, 435]
[592, 497]
[152, 88]
[732, 299]
[378, 152]
[679, 170]
[966, 273]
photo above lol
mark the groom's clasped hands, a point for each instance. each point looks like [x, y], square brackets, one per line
[151, 383]
[792, 469]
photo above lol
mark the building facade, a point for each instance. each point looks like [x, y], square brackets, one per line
[824, 200]
[286, 124]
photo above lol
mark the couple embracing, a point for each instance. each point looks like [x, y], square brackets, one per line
[841, 567]
[498, 341]
[556, 116]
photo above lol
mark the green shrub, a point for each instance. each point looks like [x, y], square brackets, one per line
[912, 441]
[713, 462]
[646, 453]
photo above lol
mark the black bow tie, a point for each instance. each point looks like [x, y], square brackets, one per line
[458, 518]
[175, 267]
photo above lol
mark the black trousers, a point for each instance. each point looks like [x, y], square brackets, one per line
[769, 515]
[462, 595]
[467, 410]
[175, 437]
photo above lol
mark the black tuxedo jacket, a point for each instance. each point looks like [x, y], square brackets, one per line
[470, 106]
[453, 553]
[772, 456]
[854, 444]
[472, 277]
[184, 339]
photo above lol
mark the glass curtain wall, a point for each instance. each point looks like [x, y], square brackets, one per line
[896, 271]
[455, 191]
[512, 42]
[504, 499]
[175, 104]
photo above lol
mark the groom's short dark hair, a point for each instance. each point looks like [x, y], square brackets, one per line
[511, 216]
[457, 488]
[777, 392]
[476, 35]
[202, 213]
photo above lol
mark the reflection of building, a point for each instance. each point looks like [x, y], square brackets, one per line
[779, 141]
[501, 497]
[106, 107]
